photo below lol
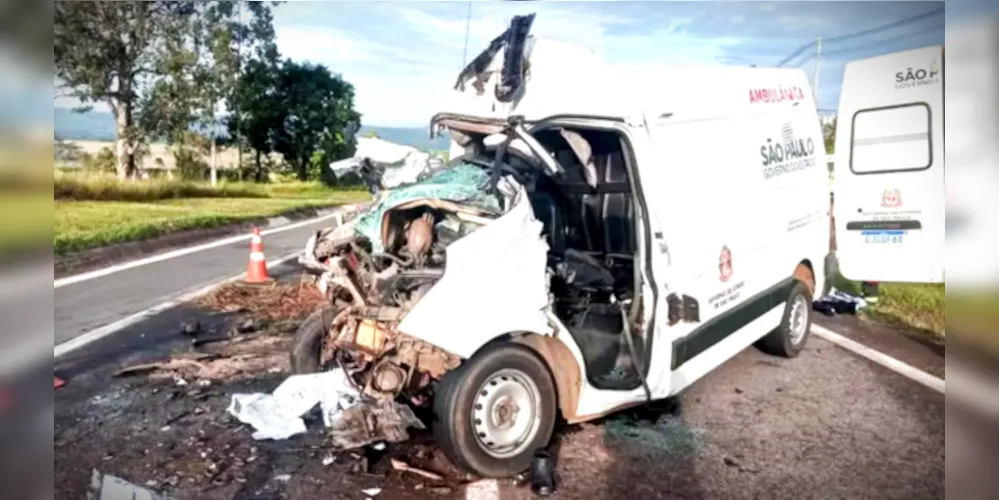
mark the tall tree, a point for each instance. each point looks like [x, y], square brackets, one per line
[110, 52]
[253, 110]
[319, 119]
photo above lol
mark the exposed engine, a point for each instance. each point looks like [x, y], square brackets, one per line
[373, 291]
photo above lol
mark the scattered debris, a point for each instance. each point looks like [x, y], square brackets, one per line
[667, 434]
[107, 487]
[399, 465]
[247, 326]
[201, 341]
[190, 327]
[274, 302]
[363, 424]
[278, 415]
[542, 473]
[839, 302]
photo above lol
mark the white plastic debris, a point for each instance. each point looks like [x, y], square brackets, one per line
[107, 487]
[372, 491]
[378, 446]
[279, 415]
[328, 459]
[283, 478]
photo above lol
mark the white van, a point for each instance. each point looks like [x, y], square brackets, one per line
[595, 243]
[889, 168]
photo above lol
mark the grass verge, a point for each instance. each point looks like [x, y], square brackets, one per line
[81, 225]
[105, 187]
[916, 306]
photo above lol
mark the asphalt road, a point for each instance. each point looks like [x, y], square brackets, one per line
[826, 425]
[86, 305]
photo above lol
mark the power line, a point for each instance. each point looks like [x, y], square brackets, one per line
[801, 50]
[868, 44]
[468, 23]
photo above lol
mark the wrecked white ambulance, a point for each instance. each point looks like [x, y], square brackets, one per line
[595, 243]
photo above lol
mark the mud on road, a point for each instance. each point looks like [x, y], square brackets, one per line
[825, 425]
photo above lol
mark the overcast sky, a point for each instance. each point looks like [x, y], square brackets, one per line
[402, 56]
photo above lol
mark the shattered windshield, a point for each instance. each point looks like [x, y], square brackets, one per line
[461, 181]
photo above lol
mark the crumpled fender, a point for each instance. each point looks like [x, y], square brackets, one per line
[495, 283]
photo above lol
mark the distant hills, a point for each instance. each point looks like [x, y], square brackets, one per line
[99, 126]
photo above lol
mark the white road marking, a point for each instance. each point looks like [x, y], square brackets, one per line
[97, 273]
[908, 371]
[485, 489]
[99, 333]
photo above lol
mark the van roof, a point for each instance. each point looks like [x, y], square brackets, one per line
[567, 79]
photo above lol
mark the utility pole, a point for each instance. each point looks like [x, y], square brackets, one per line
[815, 76]
[238, 110]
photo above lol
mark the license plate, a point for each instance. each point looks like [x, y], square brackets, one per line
[883, 237]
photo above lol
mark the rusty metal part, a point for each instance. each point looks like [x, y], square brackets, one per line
[803, 273]
[370, 422]
[568, 379]
[388, 377]
[424, 356]
[420, 235]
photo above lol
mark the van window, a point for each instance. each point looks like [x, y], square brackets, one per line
[891, 139]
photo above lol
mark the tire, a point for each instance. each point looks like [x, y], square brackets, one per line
[501, 372]
[786, 341]
[306, 346]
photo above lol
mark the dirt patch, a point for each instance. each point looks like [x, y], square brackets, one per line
[271, 302]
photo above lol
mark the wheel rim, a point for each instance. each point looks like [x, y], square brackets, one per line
[505, 413]
[798, 319]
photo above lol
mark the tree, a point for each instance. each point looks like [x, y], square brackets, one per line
[254, 110]
[318, 118]
[829, 135]
[110, 52]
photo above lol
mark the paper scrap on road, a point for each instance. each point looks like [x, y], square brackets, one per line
[107, 487]
[279, 415]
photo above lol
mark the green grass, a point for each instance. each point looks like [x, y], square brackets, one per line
[919, 307]
[80, 225]
[80, 186]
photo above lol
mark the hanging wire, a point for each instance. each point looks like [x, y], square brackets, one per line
[869, 44]
[468, 23]
[801, 50]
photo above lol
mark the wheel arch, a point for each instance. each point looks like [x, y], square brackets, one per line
[805, 273]
[562, 366]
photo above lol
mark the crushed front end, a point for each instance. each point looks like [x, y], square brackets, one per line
[376, 267]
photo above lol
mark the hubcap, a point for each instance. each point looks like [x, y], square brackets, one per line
[798, 319]
[505, 413]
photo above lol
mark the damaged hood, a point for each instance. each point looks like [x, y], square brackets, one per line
[462, 183]
[386, 165]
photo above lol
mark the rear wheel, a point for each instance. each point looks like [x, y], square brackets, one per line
[493, 412]
[306, 346]
[789, 338]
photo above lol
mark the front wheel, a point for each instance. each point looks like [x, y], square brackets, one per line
[494, 411]
[306, 346]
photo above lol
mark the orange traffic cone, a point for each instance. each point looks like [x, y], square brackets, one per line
[59, 382]
[256, 269]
